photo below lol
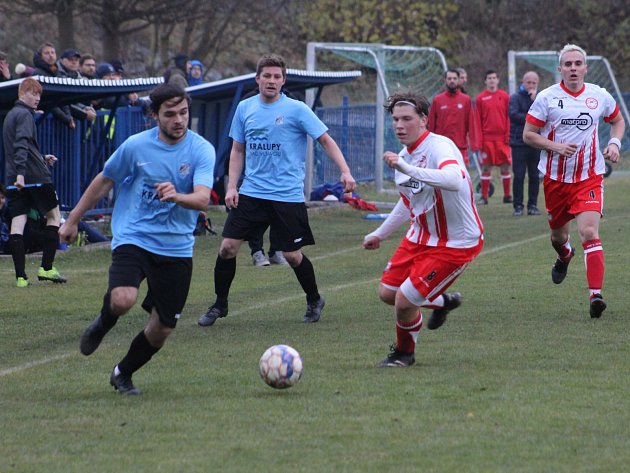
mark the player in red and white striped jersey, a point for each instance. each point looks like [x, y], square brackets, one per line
[445, 234]
[563, 122]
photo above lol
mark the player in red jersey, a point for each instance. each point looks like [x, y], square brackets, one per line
[452, 115]
[563, 123]
[445, 234]
[494, 122]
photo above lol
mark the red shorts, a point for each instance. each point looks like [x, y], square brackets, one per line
[465, 155]
[565, 200]
[430, 269]
[495, 153]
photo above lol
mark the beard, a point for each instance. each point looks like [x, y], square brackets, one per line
[452, 90]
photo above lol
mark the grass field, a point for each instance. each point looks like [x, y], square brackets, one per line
[519, 379]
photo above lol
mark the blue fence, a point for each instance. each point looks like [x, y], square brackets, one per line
[81, 152]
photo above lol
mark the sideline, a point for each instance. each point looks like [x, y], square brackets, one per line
[51, 359]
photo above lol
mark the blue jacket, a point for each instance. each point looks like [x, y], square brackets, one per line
[517, 110]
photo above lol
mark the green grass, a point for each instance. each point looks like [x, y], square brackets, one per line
[519, 379]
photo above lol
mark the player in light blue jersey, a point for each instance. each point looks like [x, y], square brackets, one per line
[269, 133]
[163, 178]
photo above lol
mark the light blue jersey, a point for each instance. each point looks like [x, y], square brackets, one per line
[274, 136]
[139, 218]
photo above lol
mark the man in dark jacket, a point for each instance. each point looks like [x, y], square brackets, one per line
[524, 157]
[29, 184]
[5, 70]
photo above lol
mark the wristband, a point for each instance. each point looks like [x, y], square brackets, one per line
[615, 141]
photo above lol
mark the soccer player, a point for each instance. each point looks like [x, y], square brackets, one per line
[269, 133]
[563, 123]
[445, 234]
[452, 115]
[163, 178]
[492, 111]
[29, 184]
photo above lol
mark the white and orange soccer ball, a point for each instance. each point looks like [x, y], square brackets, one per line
[281, 366]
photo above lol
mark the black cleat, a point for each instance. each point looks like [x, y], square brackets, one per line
[123, 384]
[92, 337]
[397, 359]
[508, 199]
[533, 211]
[210, 317]
[559, 269]
[597, 306]
[438, 317]
[518, 212]
[314, 310]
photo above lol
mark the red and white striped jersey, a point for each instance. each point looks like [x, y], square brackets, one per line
[439, 217]
[572, 117]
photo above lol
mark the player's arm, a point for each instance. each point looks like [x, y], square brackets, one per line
[617, 130]
[336, 156]
[198, 199]
[98, 188]
[533, 138]
[237, 164]
[448, 176]
[398, 216]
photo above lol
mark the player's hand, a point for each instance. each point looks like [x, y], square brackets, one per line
[391, 159]
[349, 184]
[68, 232]
[50, 159]
[371, 243]
[19, 182]
[166, 191]
[566, 149]
[231, 198]
[612, 153]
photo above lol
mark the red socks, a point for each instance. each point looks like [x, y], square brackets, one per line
[407, 334]
[594, 262]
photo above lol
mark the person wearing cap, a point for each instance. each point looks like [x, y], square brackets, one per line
[118, 67]
[176, 75]
[105, 71]
[5, 71]
[68, 65]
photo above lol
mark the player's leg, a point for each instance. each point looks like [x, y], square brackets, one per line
[18, 203]
[519, 166]
[558, 198]
[533, 180]
[486, 171]
[506, 180]
[47, 272]
[126, 272]
[588, 228]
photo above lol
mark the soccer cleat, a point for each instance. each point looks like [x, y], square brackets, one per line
[533, 211]
[559, 269]
[210, 317]
[597, 306]
[92, 337]
[482, 201]
[314, 310]
[278, 258]
[259, 259]
[123, 384]
[397, 359]
[518, 212]
[51, 275]
[22, 282]
[508, 199]
[438, 317]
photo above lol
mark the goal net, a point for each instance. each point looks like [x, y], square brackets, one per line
[385, 69]
[545, 63]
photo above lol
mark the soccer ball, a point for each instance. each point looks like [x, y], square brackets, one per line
[280, 366]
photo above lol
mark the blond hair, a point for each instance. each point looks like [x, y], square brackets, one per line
[570, 47]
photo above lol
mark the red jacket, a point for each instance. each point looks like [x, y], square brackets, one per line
[452, 115]
[492, 113]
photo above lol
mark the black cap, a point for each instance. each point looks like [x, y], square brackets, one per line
[117, 65]
[68, 53]
[103, 69]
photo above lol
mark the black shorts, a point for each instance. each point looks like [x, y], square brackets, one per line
[289, 221]
[42, 198]
[168, 278]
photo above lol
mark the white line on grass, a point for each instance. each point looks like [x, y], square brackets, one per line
[43, 361]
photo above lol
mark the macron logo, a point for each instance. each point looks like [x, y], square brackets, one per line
[297, 240]
[143, 164]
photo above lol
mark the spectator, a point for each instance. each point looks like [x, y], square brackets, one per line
[463, 79]
[5, 69]
[195, 75]
[492, 111]
[118, 68]
[524, 157]
[452, 115]
[87, 66]
[45, 63]
[69, 64]
[29, 184]
[22, 70]
[177, 74]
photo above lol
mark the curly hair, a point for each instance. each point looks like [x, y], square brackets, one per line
[419, 101]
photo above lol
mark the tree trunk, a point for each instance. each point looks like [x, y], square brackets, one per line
[65, 24]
